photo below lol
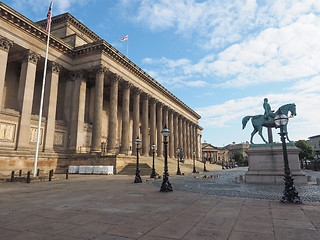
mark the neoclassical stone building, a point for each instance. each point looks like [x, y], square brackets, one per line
[96, 100]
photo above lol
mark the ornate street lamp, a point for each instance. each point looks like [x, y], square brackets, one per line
[178, 155]
[204, 163]
[153, 173]
[290, 193]
[166, 186]
[194, 162]
[137, 178]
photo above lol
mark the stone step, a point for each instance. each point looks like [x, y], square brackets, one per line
[130, 169]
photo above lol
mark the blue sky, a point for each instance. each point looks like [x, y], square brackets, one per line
[221, 58]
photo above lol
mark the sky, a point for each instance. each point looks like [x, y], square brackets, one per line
[221, 58]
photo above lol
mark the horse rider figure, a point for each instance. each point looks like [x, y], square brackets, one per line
[268, 113]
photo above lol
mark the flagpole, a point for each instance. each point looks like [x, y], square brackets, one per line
[42, 95]
[127, 46]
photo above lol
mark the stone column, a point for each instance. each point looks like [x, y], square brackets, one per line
[99, 70]
[165, 116]
[125, 117]
[113, 114]
[188, 139]
[191, 138]
[136, 118]
[76, 124]
[5, 45]
[159, 129]
[176, 132]
[145, 124]
[25, 96]
[180, 133]
[171, 137]
[153, 139]
[50, 103]
[185, 147]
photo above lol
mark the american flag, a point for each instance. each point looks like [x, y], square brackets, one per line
[123, 39]
[49, 16]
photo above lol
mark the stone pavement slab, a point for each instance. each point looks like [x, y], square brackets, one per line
[113, 207]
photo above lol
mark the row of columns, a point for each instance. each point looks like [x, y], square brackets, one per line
[183, 132]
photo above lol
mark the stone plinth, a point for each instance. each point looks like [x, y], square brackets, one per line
[266, 164]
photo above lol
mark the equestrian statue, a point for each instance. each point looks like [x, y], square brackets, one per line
[267, 119]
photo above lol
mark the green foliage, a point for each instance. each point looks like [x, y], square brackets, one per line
[238, 157]
[306, 151]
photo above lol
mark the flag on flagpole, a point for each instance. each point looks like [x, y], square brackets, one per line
[49, 16]
[123, 39]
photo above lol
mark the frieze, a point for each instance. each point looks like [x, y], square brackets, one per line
[34, 135]
[5, 44]
[31, 56]
[7, 132]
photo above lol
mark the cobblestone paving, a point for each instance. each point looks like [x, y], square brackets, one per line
[225, 185]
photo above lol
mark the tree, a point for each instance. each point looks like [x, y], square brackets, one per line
[306, 151]
[238, 157]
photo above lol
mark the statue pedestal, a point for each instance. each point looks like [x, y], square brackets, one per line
[266, 164]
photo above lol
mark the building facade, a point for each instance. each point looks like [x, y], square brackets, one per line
[314, 142]
[96, 100]
[214, 154]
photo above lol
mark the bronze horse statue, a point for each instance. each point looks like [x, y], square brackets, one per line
[259, 121]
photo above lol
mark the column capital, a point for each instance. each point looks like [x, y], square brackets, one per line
[136, 90]
[125, 84]
[166, 108]
[171, 111]
[31, 56]
[175, 114]
[115, 78]
[54, 67]
[76, 74]
[160, 104]
[153, 100]
[5, 44]
[145, 96]
[99, 69]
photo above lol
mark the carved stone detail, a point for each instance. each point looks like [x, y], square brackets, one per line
[153, 100]
[31, 56]
[100, 69]
[160, 105]
[126, 85]
[78, 74]
[115, 79]
[54, 67]
[145, 96]
[5, 44]
[136, 90]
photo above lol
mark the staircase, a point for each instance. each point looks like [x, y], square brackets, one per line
[130, 169]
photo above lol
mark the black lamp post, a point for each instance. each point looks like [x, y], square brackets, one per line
[194, 162]
[137, 178]
[178, 155]
[290, 193]
[166, 186]
[204, 162]
[153, 173]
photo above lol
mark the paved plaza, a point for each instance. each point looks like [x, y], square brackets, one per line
[113, 207]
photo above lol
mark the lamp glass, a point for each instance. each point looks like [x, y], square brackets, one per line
[178, 150]
[153, 147]
[281, 120]
[137, 141]
[165, 132]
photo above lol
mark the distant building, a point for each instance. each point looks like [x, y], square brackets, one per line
[315, 143]
[242, 147]
[214, 154]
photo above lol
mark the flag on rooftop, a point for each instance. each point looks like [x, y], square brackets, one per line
[123, 39]
[49, 16]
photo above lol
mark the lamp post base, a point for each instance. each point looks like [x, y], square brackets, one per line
[166, 185]
[290, 194]
[153, 174]
[178, 172]
[137, 178]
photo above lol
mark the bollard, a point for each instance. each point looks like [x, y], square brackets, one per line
[67, 174]
[20, 173]
[237, 180]
[309, 178]
[318, 181]
[50, 175]
[241, 177]
[12, 176]
[38, 172]
[28, 177]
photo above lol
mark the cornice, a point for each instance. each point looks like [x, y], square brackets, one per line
[21, 22]
[68, 18]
